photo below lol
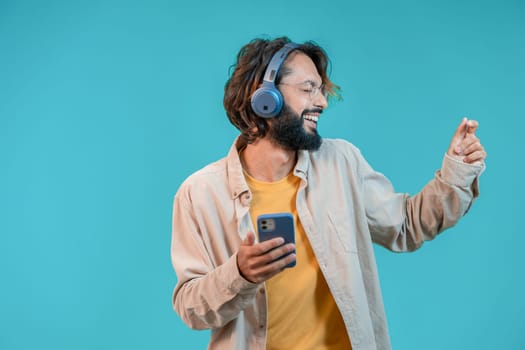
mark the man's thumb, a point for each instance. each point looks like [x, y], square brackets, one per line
[461, 130]
[249, 239]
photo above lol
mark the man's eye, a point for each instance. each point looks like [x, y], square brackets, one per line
[308, 90]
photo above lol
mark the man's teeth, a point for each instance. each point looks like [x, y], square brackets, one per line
[313, 118]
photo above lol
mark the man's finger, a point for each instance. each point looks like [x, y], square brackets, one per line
[478, 156]
[459, 135]
[279, 252]
[472, 126]
[271, 244]
[460, 131]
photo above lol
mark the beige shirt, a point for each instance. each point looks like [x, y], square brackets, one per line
[343, 205]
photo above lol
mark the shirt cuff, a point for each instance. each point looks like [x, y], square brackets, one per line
[457, 173]
[238, 284]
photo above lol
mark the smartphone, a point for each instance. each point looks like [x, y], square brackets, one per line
[277, 225]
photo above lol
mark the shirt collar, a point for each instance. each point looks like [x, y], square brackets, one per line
[236, 177]
[303, 164]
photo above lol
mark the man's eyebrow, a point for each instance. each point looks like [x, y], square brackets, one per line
[311, 82]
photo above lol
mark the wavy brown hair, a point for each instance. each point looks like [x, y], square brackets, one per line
[248, 73]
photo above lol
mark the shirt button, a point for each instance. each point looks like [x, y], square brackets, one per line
[262, 291]
[261, 326]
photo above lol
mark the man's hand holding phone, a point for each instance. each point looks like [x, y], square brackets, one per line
[258, 262]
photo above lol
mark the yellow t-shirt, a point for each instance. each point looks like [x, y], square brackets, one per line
[302, 313]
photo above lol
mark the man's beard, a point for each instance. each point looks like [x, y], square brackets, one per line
[288, 131]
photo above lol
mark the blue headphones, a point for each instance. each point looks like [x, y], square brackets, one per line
[267, 101]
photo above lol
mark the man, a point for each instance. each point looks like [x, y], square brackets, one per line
[237, 286]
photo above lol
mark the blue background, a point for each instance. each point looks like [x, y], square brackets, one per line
[107, 106]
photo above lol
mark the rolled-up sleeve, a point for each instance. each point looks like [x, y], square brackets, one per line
[206, 296]
[401, 222]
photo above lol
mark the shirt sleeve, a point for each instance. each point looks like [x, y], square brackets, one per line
[206, 296]
[400, 222]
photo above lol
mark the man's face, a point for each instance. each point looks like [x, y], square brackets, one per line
[295, 128]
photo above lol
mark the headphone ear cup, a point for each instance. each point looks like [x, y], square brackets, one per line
[267, 101]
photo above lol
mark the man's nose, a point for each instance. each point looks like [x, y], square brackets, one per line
[320, 101]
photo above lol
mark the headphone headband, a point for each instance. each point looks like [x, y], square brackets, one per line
[276, 62]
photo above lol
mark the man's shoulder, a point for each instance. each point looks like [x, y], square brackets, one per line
[337, 144]
[208, 176]
[337, 148]
[209, 172]
[336, 155]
